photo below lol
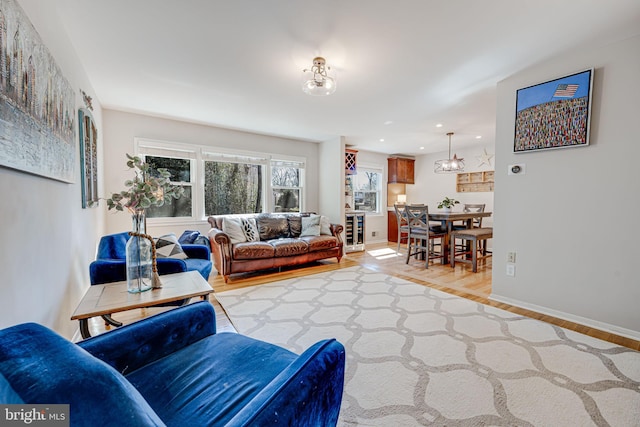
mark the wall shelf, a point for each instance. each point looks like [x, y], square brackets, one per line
[474, 182]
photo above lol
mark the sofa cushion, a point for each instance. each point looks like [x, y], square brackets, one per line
[319, 243]
[233, 228]
[289, 247]
[167, 246]
[310, 226]
[295, 225]
[253, 250]
[206, 390]
[272, 226]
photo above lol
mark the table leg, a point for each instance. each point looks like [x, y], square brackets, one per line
[84, 328]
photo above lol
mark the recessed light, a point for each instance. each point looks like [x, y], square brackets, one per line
[422, 148]
[479, 137]
[439, 125]
[388, 122]
[381, 139]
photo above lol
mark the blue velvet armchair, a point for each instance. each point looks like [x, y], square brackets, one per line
[172, 369]
[110, 265]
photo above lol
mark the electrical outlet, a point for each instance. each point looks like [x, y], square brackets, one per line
[374, 233]
[511, 257]
[511, 270]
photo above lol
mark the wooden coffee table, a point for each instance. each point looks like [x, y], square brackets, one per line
[113, 297]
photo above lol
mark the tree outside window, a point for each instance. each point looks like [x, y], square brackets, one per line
[286, 188]
[366, 194]
[232, 188]
[180, 170]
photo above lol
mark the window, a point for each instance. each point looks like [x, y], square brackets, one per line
[366, 186]
[223, 181]
[180, 170]
[232, 187]
[286, 185]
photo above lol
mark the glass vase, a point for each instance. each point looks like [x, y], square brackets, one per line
[138, 256]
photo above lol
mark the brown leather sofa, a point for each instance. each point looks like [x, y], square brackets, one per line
[279, 243]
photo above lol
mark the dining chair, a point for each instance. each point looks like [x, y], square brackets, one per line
[421, 237]
[471, 207]
[476, 222]
[403, 226]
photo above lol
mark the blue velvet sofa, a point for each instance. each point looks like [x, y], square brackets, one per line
[110, 265]
[172, 369]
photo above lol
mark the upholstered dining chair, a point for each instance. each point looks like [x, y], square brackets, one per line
[421, 238]
[403, 226]
[476, 223]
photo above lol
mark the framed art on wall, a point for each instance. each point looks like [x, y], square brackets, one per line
[37, 103]
[554, 114]
[88, 158]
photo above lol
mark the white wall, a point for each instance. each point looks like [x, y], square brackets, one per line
[431, 187]
[571, 218]
[121, 129]
[48, 240]
[330, 189]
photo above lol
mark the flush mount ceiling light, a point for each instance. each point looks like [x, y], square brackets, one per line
[319, 80]
[452, 164]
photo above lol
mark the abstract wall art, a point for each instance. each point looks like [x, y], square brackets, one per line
[37, 103]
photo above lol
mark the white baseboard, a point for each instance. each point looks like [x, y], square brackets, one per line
[606, 327]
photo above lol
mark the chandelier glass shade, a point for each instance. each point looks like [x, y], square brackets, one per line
[450, 165]
[319, 80]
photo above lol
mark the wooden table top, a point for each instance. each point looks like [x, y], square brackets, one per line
[113, 297]
[456, 216]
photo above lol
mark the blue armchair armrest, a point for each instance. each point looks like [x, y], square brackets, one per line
[133, 346]
[197, 251]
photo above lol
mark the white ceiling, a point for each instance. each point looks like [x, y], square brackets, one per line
[403, 65]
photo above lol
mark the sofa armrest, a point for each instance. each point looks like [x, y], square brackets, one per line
[337, 229]
[132, 346]
[314, 381]
[197, 251]
[221, 251]
[107, 271]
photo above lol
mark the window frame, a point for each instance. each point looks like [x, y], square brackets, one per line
[380, 209]
[198, 154]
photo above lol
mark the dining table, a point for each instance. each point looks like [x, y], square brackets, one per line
[447, 219]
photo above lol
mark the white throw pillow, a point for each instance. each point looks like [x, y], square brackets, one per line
[310, 226]
[233, 228]
[167, 246]
[325, 225]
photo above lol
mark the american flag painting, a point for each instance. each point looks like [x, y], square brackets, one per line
[565, 91]
[554, 114]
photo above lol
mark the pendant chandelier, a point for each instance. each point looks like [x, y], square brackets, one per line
[319, 80]
[450, 165]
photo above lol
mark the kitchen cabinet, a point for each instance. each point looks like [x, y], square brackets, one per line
[400, 170]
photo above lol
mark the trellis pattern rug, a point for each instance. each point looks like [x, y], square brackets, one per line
[418, 356]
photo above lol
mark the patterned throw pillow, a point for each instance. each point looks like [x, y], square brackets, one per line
[310, 226]
[250, 229]
[167, 246]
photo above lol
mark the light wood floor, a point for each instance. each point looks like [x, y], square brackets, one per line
[460, 281]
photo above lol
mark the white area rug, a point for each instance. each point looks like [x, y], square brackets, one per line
[418, 356]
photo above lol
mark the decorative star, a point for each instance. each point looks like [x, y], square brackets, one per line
[485, 158]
